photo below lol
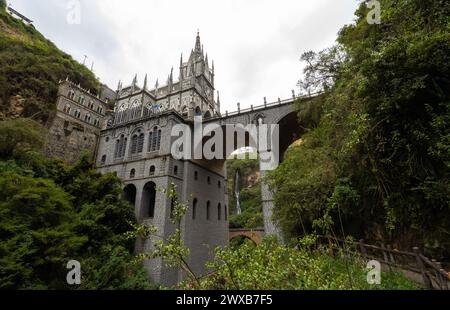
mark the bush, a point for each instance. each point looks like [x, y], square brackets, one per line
[271, 266]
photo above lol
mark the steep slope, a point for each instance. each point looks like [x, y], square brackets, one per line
[30, 68]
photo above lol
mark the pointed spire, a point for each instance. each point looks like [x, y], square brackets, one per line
[198, 45]
[118, 85]
[206, 60]
[181, 68]
[145, 82]
[213, 67]
[133, 84]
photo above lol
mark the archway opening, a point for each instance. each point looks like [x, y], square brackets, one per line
[129, 194]
[290, 132]
[148, 200]
[240, 240]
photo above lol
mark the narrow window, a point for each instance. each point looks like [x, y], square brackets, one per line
[123, 147]
[103, 159]
[140, 143]
[134, 141]
[226, 213]
[219, 184]
[196, 175]
[208, 210]
[132, 173]
[194, 209]
[117, 150]
[219, 212]
[158, 143]
[150, 139]
[175, 170]
[209, 180]
[152, 170]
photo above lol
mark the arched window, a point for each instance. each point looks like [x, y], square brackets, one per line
[149, 199]
[219, 212]
[121, 145]
[207, 115]
[87, 118]
[219, 184]
[158, 141]
[194, 208]
[154, 140]
[132, 173]
[103, 159]
[152, 170]
[116, 151]
[67, 109]
[140, 143]
[208, 210]
[209, 180]
[175, 170]
[134, 141]
[196, 175]
[71, 94]
[150, 140]
[77, 113]
[226, 213]
[81, 100]
[198, 111]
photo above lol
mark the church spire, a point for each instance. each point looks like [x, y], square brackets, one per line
[134, 83]
[145, 82]
[181, 68]
[198, 45]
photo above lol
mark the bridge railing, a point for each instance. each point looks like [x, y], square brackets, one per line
[271, 104]
[433, 276]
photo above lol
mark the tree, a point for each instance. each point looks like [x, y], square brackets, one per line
[383, 137]
[20, 135]
[322, 69]
[52, 213]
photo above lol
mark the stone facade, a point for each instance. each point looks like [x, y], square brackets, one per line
[134, 141]
[76, 124]
[136, 145]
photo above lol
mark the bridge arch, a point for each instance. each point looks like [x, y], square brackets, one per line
[255, 235]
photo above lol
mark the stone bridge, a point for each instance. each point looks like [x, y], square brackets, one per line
[282, 113]
[256, 235]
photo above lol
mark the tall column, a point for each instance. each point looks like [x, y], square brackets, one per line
[270, 227]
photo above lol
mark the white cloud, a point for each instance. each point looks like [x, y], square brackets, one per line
[256, 44]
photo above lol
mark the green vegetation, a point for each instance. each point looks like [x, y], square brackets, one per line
[51, 213]
[377, 164]
[250, 193]
[30, 68]
[272, 266]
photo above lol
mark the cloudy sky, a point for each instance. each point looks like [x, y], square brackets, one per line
[255, 44]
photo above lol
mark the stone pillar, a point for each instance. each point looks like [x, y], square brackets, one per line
[270, 227]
